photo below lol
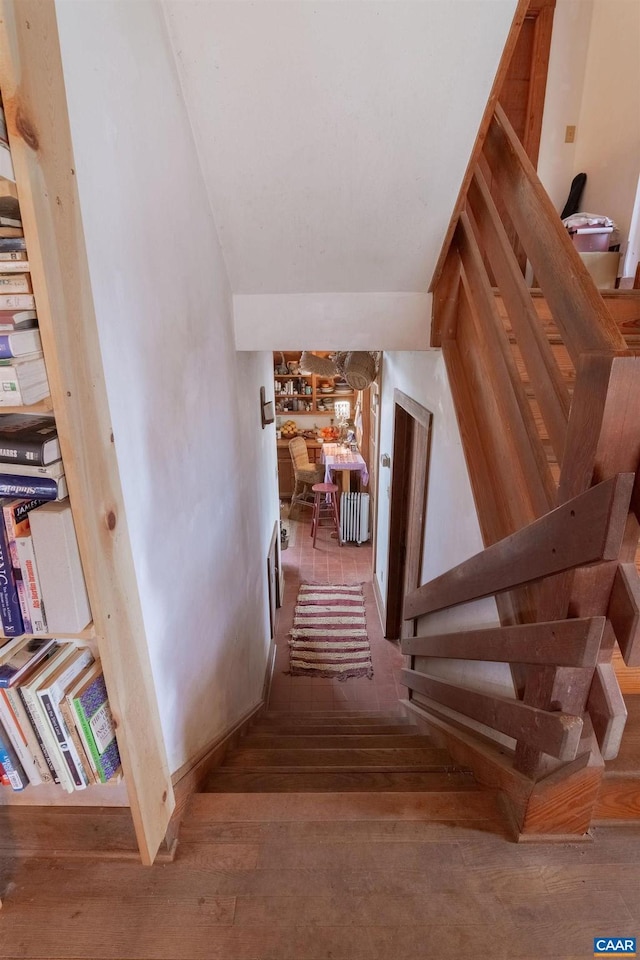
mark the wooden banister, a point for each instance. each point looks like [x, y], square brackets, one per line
[569, 643]
[545, 375]
[585, 530]
[577, 306]
[557, 734]
[512, 401]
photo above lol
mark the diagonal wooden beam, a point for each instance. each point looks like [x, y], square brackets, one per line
[567, 643]
[557, 734]
[587, 529]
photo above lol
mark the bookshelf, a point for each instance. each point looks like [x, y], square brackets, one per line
[308, 403]
[31, 80]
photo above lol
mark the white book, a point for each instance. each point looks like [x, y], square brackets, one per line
[6, 165]
[18, 740]
[64, 591]
[26, 726]
[50, 694]
[33, 591]
[54, 470]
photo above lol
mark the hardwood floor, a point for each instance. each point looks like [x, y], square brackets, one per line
[245, 888]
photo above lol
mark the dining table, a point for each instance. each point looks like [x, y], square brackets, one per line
[343, 460]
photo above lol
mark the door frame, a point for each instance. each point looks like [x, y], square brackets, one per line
[412, 428]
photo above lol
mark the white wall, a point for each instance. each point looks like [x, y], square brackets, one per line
[594, 84]
[563, 100]
[333, 321]
[198, 472]
[452, 533]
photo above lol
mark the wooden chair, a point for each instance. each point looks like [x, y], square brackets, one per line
[305, 473]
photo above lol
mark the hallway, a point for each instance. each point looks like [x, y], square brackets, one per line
[330, 563]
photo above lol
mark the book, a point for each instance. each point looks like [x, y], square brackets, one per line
[39, 757]
[17, 301]
[13, 256]
[15, 282]
[4, 779]
[41, 488]
[16, 521]
[6, 231]
[29, 697]
[14, 265]
[71, 724]
[6, 221]
[54, 470]
[91, 704]
[10, 762]
[12, 245]
[50, 693]
[9, 604]
[25, 439]
[6, 166]
[11, 320]
[64, 591]
[23, 381]
[27, 656]
[18, 740]
[35, 608]
[19, 343]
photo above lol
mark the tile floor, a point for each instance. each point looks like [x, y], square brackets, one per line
[331, 563]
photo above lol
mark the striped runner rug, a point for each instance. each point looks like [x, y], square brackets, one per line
[329, 634]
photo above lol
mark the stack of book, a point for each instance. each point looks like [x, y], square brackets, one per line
[55, 721]
[23, 375]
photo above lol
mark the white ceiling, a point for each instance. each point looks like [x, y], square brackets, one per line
[334, 135]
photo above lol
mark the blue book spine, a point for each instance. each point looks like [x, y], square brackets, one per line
[9, 603]
[6, 352]
[44, 488]
[10, 762]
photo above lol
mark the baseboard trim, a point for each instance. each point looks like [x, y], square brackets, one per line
[380, 606]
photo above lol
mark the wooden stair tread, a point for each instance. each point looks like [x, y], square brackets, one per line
[411, 805]
[263, 741]
[387, 757]
[338, 719]
[327, 730]
[335, 714]
[311, 781]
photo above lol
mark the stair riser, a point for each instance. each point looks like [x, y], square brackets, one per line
[320, 742]
[388, 758]
[341, 782]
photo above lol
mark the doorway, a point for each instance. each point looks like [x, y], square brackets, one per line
[407, 518]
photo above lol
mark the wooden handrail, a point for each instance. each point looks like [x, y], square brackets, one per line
[578, 308]
[569, 643]
[587, 529]
[545, 375]
[557, 734]
[510, 395]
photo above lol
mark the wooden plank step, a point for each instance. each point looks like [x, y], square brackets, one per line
[407, 805]
[349, 716]
[311, 781]
[387, 758]
[337, 730]
[618, 799]
[334, 741]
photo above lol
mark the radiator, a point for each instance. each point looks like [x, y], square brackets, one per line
[354, 517]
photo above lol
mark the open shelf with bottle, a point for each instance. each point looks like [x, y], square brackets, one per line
[303, 394]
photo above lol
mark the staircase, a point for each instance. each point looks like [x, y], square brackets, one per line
[341, 766]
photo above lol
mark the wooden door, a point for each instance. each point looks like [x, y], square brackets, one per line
[410, 471]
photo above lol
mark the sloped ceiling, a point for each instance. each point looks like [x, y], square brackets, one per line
[333, 136]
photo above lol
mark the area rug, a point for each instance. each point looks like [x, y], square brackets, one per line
[329, 634]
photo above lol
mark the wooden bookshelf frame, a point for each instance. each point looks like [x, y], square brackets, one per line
[32, 84]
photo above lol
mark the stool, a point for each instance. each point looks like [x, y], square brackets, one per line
[325, 507]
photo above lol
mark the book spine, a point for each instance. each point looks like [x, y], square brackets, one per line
[4, 779]
[42, 762]
[19, 450]
[9, 604]
[11, 764]
[70, 726]
[34, 726]
[17, 301]
[64, 741]
[6, 351]
[34, 708]
[87, 738]
[14, 263]
[31, 582]
[42, 488]
[19, 283]
[18, 740]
